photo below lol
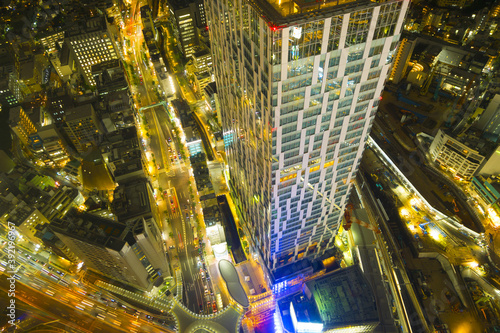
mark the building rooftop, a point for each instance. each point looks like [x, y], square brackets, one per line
[230, 276]
[180, 4]
[451, 57]
[282, 12]
[304, 311]
[293, 269]
[473, 139]
[95, 230]
[201, 53]
[20, 213]
[79, 112]
[131, 200]
[493, 180]
[344, 297]
[212, 215]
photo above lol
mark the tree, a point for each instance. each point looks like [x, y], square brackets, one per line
[171, 234]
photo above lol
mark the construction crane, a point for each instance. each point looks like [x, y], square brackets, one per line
[350, 219]
[427, 83]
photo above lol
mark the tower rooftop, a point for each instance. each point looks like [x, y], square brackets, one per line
[282, 12]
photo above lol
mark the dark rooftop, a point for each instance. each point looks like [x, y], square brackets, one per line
[292, 269]
[131, 200]
[344, 297]
[93, 229]
[304, 309]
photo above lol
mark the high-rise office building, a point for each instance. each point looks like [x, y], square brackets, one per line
[299, 84]
[88, 45]
[185, 17]
[129, 252]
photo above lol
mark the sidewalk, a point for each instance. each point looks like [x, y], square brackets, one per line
[251, 277]
[217, 280]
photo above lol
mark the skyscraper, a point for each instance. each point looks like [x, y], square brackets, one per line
[299, 85]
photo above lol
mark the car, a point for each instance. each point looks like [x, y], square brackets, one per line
[172, 247]
[187, 215]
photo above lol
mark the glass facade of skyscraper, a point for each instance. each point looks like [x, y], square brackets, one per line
[298, 94]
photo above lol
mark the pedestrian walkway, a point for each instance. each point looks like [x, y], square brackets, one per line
[226, 321]
[252, 276]
[157, 304]
[178, 278]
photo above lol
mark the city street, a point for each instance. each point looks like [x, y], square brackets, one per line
[171, 179]
[73, 309]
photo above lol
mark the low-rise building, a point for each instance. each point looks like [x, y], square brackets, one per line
[21, 123]
[61, 202]
[124, 156]
[202, 61]
[133, 199]
[26, 218]
[47, 145]
[456, 156]
[487, 189]
[72, 171]
[82, 127]
[342, 301]
[185, 17]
